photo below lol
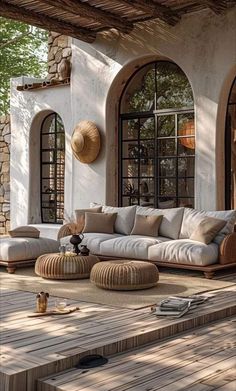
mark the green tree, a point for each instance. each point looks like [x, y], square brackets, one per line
[23, 50]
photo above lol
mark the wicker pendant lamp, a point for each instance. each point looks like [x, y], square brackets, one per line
[188, 129]
[85, 142]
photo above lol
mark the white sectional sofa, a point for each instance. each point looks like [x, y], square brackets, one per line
[173, 247]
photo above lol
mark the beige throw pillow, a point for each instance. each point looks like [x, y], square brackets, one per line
[207, 229]
[146, 225]
[100, 222]
[80, 216]
[25, 232]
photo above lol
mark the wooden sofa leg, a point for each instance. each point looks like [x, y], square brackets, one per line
[11, 270]
[209, 275]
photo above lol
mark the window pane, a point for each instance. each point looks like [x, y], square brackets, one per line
[49, 124]
[167, 167]
[173, 88]
[147, 128]
[48, 170]
[167, 187]
[48, 141]
[140, 93]
[166, 126]
[130, 187]
[130, 129]
[186, 127]
[47, 156]
[167, 147]
[186, 166]
[186, 187]
[183, 149]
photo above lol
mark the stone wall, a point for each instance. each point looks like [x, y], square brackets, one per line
[5, 142]
[59, 48]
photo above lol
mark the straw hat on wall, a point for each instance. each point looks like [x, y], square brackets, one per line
[85, 142]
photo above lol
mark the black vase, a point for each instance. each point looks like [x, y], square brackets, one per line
[76, 240]
[84, 250]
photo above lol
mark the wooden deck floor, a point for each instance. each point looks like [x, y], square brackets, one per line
[204, 360]
[32, 348]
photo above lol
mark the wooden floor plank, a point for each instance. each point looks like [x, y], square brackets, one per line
[38, 347]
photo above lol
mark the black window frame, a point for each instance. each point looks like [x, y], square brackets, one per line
[153, 114]
[56, 189]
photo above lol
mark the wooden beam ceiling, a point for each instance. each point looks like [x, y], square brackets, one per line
[155, 10]
[45, 22]
[85, 10]
[217, 6]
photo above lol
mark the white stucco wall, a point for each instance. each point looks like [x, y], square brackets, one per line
[202, 44]
[28, 109]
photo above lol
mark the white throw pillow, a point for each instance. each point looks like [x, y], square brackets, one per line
[125, 217]
[192, 218]
[171, 221]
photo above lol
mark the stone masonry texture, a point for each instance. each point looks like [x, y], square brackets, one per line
[5, 143]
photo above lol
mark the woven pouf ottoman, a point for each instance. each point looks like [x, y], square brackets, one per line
[124, 275]
[65, 267]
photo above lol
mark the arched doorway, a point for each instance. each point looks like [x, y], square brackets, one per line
[230, 150]
[52, 167]
[157, 138]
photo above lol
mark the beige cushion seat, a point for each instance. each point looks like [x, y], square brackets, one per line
[19, 249]
[184, 251]
[133, 246]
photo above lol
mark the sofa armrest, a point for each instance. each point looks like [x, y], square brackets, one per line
[65, 230]
[228, 249]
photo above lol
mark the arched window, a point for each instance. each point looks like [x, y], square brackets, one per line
[230, 150]
[52, 152]
[157, 138]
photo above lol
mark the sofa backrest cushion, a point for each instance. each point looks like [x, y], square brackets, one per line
[207, 230]
[193, 217]
[171, 221]
[125, 217]
[80, 216]
[100, 222]
[146, 225]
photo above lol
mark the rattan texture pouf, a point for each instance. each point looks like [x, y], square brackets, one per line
[65, 267]
[124, 275]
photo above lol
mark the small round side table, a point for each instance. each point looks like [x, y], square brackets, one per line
[70, 266]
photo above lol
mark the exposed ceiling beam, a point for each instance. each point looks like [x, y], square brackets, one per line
[217, 6]
[155, 10]
[45, 22]
[85, 10]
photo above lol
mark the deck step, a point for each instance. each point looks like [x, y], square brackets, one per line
[196, 360]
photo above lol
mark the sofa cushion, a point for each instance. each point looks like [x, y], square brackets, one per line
[171, 221]
[193, 217]
[125, 217]
[207, 230]
[146, 225]
[19, 249]
[24, 232]
[99, 222]
[91, 240]
[80, 216]
[184, 251]
[135, 246]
